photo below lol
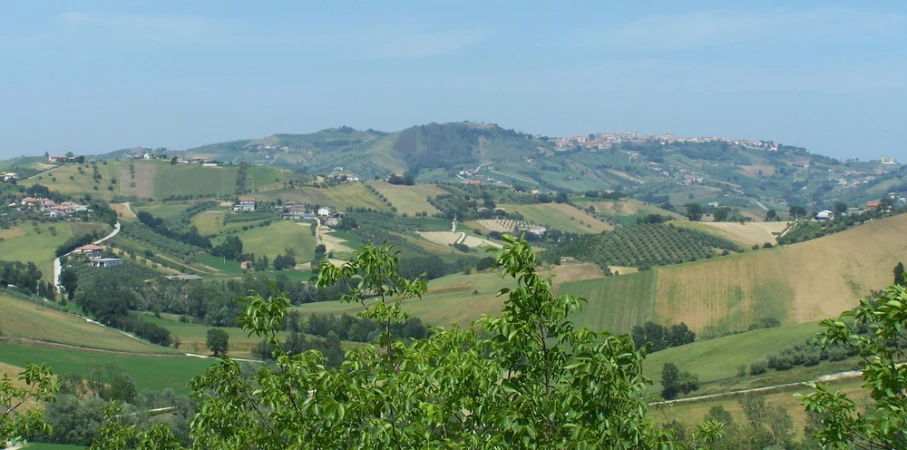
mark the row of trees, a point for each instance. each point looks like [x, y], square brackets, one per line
[662, 337]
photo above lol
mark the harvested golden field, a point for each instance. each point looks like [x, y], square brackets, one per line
[560, 216]
[747, 233]
[409, 199]
[123, 210]
[798, 283]
[139, 183]
[575, 272]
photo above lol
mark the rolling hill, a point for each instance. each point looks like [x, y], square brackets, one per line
[800, 283]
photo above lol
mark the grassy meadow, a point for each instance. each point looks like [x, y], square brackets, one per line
[163, 211]
[273, 239]
[149, 372]
[35, 244]
[180, 179]
[559, 216]
[68, 180]
[614, 303]
[24, 319]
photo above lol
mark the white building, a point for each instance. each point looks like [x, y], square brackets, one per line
[324, 212]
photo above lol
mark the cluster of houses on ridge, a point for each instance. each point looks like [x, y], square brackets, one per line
[296, 211]
[49, 207]
[292, 210]
[826, 215]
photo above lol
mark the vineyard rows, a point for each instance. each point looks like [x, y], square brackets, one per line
[644, 245]
[503, 225]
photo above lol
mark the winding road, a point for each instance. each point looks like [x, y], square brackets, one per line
[58, 268]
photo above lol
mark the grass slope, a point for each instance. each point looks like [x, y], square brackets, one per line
[82, 183]
[409, 199]
[25, 319]
[181, 179]
[800, 283]
[614, 303]
[273, 239]
[24, 243]
[559, 216]
[149, 372]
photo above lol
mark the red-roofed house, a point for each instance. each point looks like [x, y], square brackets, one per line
[93, 251]
[873, 205]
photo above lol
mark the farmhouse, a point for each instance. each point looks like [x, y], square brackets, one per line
[106, 262]
[873, 206]
[324, 212]
[855, 211]
[538, 231]
[92, 250]
[9, 176]
[825, 215]
[246, 204]
[297, 214]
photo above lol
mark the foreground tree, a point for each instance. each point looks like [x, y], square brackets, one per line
[875, 330]
[36, 384]
[536, 383]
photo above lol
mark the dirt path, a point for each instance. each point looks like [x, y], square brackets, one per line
[331, 243]
[821, 379]
[47, 344]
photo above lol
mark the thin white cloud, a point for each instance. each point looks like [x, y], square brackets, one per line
[418, 44]
[723, 28]
[142, 27]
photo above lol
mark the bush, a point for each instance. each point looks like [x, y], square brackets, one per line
[758, 367]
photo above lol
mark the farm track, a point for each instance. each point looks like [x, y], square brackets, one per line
[48, 344]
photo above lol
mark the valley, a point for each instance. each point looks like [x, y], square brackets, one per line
[668, 234]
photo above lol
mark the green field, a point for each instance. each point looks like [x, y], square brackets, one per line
[718, 359]
[559, 216]
[83, 183]
[24, 243]
[22, 318]
[226, 266]
[273, 239]
[43, 446]
[615, 303]
[149, 372]
[210, 222]
[162, 211]
[180, 179]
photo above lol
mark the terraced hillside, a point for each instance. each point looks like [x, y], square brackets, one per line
[798, 283]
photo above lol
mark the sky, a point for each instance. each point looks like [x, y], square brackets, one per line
[93, 76]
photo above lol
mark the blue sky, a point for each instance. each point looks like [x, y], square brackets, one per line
[98, 76]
